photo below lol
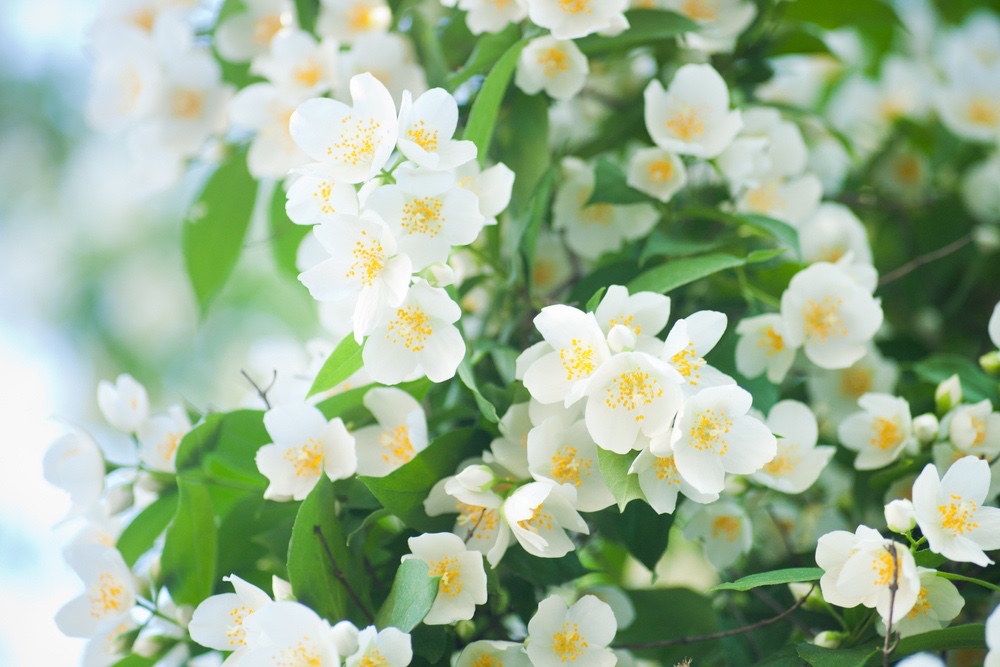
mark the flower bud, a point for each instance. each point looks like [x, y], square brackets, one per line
[477, 478]
[986, 238]
[439, 274]
[345, 637]
[990, 362]
[829, 639]
[282, 589]
[925, 427]
[900, 516]
[948, 394]
[621, 339]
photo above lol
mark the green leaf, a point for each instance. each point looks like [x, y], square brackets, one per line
[976, 384]
[838, 657]
[774, 578]
[215, 227]
[138, 536]
[782, 232]
[307, 11]
[802, 39]
[486, 108]
[224, 444]
[404, 490]
[342, 363]
[610, 186]
[614, 469]
[661, 245]
[594, 301]
[310, 571]
[189, 548]
[522, 143]
[833, 15]
[648, 26]
[640, 529]
[488, 50]
[679, 272]
[972, 635]
[428, 45]
[526, 235]
[286, 236]
[198, 441]
[412, 594]
[468, 378]
[543, 571]
[136, 660]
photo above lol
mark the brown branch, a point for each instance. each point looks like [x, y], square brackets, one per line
[340, 575]
[261, 392]
[679, 641]
[917, 262]
[888, 648]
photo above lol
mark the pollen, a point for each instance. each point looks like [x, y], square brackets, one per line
[855, 382]
[538, 521]
[983, 111]
[265, 28]
[784, 461]
[486, 660]
[568, 468]
[822, 319]
[451, 575]
[688, 363]
[397, 445]
[727, 527]
[577, 360]
[885, 433]
[922, 606]
[553, 62]
[765, 198]
[308, 74]
[307, 459]
[686, 122]
[979, 426]
[700, 10]
[187, 104]
[567, 643]
[575, 6]
[771, 341]
[412, 327]
[625, 321]
[423, 216]
[107, 597]
[144, 19]
[708, 431]
[885, 566]
[323, 192]
[908, 170]
[357, 141]
[957, 516]
[666, 470]
[660, 171]
[302, 655]
[369, 260]
[633, 389]
[236, 633]
[360, 18]
[168, 446]
[483, 519]
[421, 136]
[598, 214]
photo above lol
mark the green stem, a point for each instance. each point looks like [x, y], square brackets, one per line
[971, 580]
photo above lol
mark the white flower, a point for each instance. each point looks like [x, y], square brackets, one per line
[75, 464]
[511, 449]
[289, 633]
[880, 433]
[719, 21]
[297, 63]
[305, 446]
[994, 326]
[692, 116]
[969, 103]
[762, 347]
[993, 639]
[951, 514]
[538, 515]
[364, 271]
[937, 605]
[714, 435]
[688, 341]
[577, 348]
[925, 427]
[426, 128]
[109, 595]
[479, 525]
[900, 516]
[218, 621]
[108, 647]
[561, 450]
[577, 634]
[159, 437]
[798, 462]
[974, 429]
[863, 568]
[659, 480]
[767, 147]
[391, 56]
[556, 66]
[265, 109]
[789, 200]
[125, 404]
[830, 315]
[463, 577]
[241, 36]
[630, 396]
[401, 432]
[644, 313]
[834, 393]
[724, 529]
[979, 194]
[315, 197]
[832, 232]
[347, 20]
[569, 19]
[417, 337]
[354, 143]
[489, 16]
[385, 648]
[492, 186]
[486, 653]
[128, 82]
[656, 172]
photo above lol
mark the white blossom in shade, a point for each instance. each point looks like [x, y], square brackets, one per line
[487, 653]
[659, 479]
[389, 58]
[937, 605]
[719, 21]
[688, 341]
[347, 20]
[305, 446]
[479, 525]
[692, 116]
[297, 63]
[389, 647]
[577, 349]
[569, 19]
[656, 172]
[558, 634]
[108, 647]
[979, 195]
[124, 404]
[713, 435]
[539, 513]
[561, 450]
[426, 130]
[426, 218]
[463, 577]
[352, 142]
[159, 437]
[969, 103]
[863, 567]
[127, 82]
[880, 433]
[762, 347]
[511, 449]
[831, 233]
[218, 620]
[974, 429]
[830, 315]
[993, 639]
[109, 594]
[74, 463]
[951, 514]
[492, 186]
[552, 265]
[315, 197]
[616, 598]
[265, 110]
[725, 531]
[241, 36]
[631, 398]
[399, 435]
[786, 152]
[592, 230]
[556, 66]
[792, 201]
[798, 462]
[418, 337]
[994, 326]
[491, 16]
[834, 393]
[289, 633]
[645, 314]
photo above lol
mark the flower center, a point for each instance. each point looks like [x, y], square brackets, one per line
[822, 320]
[538, 521]
[308, 74]
[323, 193]
[625, 321]
[575, 6]
[168, 446]
[107, 596]
[957, 516]
[302, 655]
[553, 61]
[885, 433]
[687, 362]
[360, 18]
[357, 140]
[412, 326]
[577, 360]
[423, 216]
[765, 198]
[236, 633]
[660, 171]
[598, 214]
[922, 606]
[566, 467]
[784, 461]
[187, 104]
[666, 470]
[307, 459]
[771, 341]
[451, 576]
[369, 260]
[886, 566]
[854, 382]
[700, 10]
[686, 122]
[397, 442]
[708, 430]
[632, 389]
[567, 643]
[265, 28]
[982, 111]
[483, 519]
[486, 660]
[727, 527]
[421, 136]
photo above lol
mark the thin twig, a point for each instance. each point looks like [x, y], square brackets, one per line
[887, 647]
[917, 262]
[262, 392]
[718, 635]
[340, 575]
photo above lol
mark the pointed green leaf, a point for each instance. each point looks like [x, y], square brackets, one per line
[647, 26]
[468, 378]
[149, 524]
[774, 578]
[342, 363]
[189, 548]
[486, 107]
[614, 469]
[679, 272]
[412, 594]
[610, 186]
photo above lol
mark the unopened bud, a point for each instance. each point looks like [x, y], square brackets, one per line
[948, 394]
[900, 516]
[990, 362]
[621, 339]
[925, 427]
[282, 589]
[829, 639]
[439, 274]
[477, 478]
